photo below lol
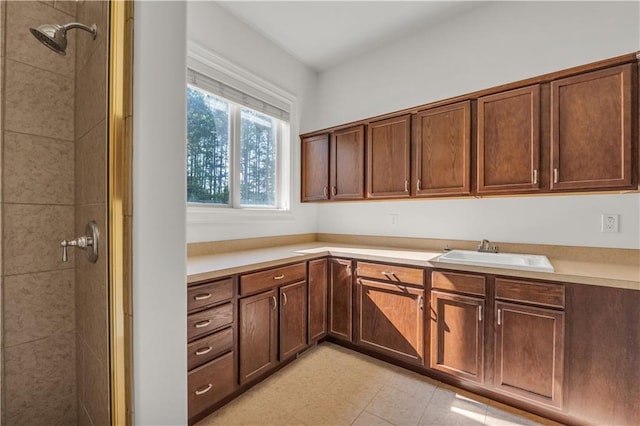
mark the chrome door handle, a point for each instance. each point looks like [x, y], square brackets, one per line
[88, 242]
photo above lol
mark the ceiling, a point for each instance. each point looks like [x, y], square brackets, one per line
[323, 34]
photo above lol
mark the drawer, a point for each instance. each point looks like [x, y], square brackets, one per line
[210, 383]
[203, 322]
[209, 347]
[391, 273]
[459, 283]
[208, 294]
[538, 293]
[258, 281]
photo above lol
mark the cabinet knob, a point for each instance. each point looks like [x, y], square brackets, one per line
[203, 351]
[202, 324]
[204, 390]
[202, 296]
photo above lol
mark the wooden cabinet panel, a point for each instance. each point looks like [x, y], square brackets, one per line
[210, 383]
[203, 322]
[529, 359]
[317, 278]
[293, 319]
[209, 347]
[391, 319]
[458, 282]
[391, 273]
[442, 150]
[347, 164]
[263, 280]
[538, 293]
[603, 355]
[457, 335]
[388, 157]
[509, 141]
[592, 119]
[340, 299]
[258, 319]
[209, 293]
[315, 168]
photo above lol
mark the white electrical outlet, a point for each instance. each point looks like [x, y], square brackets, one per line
[394, 218]
[610, 222]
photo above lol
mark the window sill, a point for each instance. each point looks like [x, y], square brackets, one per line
[203, 215]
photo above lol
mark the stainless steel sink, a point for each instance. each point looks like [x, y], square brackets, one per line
[529, 262]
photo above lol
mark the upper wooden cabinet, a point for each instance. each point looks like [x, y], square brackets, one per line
[388, 157]
[591, 130]
[442, 150]
[509, 141]
[315, 168]
[347, 164]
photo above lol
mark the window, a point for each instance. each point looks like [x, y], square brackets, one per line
[234, 147]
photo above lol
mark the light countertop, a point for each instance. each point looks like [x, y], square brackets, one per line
[206, 267]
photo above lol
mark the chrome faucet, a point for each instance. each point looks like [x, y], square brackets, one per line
[486, 247]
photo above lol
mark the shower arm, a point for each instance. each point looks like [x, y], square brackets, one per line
[91, 29]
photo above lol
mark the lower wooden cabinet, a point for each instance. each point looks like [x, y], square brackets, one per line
[340, 299]
[210, 383]
[317, 279]
[258, 346]
[457, 335]
[293, 319]
[529, 359]
[391, 319]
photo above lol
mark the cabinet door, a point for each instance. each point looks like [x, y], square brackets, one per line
[591, 130]
[340, 299]
[317, 299]
[457, 335]
[442, 150]
[509, 141]
[391, 319]
[529, 352]
[347, 164]
[388, 157]
[293, 319]
[315, 168]
[258, 316]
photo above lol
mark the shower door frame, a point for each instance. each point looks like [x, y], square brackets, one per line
[120, 212]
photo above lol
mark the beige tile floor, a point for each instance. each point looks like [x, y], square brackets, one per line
[331, 385]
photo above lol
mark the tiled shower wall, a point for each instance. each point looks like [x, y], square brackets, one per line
[53, 140]
[92, 344]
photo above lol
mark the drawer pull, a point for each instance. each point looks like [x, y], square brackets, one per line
[204, 390]
[202, 324]
[388, 274]
[203, 351]
[202, 296]
[278, 277]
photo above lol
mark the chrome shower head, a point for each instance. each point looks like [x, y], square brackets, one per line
[54, 36]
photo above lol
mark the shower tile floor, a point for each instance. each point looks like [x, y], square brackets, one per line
[331, 385]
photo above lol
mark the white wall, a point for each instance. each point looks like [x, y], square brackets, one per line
[213, 28]
[159, 249]
[491, 45]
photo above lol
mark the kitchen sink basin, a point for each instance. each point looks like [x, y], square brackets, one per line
[529, 262]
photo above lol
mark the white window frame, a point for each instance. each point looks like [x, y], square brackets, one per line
[211, 65]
